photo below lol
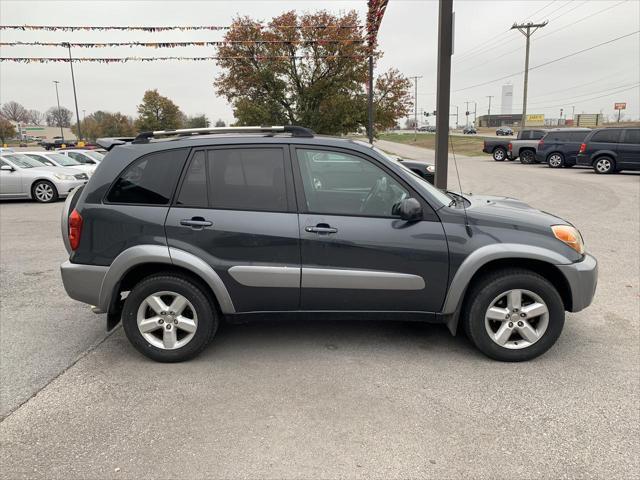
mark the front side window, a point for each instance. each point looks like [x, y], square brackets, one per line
[343, 184]
[150, 180]
[79, 157]
[42, 160]
[610, 135]
[62, 159]
[23, 161]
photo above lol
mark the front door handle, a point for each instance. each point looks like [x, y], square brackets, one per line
[196, 222]
[321, 228]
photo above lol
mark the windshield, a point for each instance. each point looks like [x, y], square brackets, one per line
[436, 192]
[22, 161]
[62, 160]
[97, 156]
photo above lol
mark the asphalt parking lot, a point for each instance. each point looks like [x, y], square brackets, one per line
[327, 399]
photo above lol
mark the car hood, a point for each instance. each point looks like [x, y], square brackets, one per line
[510, 210]
[61, 170]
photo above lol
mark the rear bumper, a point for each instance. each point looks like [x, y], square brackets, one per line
[582, 159]
[83, 282]
[582, 278]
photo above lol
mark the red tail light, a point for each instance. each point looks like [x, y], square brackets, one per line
[510, 146]
[583, 148]
[540, 144]
[75, 229]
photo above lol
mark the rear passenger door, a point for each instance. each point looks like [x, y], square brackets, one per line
[629, 149]
[571, 146]
[235, 209]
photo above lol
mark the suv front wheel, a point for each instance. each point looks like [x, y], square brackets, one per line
[169, 318]
[604, 165]
[513, 315]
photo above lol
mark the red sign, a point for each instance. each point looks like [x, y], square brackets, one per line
[619, 106]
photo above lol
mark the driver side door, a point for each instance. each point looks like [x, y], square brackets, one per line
[356, 255]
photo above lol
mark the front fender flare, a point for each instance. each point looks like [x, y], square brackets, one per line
[482, 256]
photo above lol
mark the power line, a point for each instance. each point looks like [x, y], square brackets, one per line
[560, 7]
[548, 63]
[539, 10]
[568, 11]
[570, 99]
[176, 44]
[592, 98]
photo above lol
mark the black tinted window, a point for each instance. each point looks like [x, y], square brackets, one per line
[247, 179]
[632, 136]
[537, 134]
[194, 188]
[149, 180]
[606, 136]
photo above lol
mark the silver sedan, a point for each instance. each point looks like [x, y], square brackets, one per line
[24, 177]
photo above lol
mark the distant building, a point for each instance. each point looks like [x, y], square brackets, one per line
[512, 120]
[589, 120]
[506, 100]
[42, 132]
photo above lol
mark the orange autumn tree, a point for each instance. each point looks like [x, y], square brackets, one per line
[308, 70]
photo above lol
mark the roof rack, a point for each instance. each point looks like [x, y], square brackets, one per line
[110, 142]
[294, 130]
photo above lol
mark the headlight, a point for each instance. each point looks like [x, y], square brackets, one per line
[569, 235]
[431, 169]
[62, 176]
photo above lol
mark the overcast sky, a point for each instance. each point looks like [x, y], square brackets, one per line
[485, 49]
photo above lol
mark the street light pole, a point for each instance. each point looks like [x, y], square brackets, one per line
[56, 82]
[415, 108]
[75, 97]
[445, 51]
[489, 112]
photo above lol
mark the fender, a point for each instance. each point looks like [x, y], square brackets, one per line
[141, 254]
[604, 153]
[482, 256]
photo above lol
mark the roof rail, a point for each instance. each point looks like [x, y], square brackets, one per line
[294, 130]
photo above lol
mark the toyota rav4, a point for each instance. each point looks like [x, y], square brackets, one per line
[180, 230]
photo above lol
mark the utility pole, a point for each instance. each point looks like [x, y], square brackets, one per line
[445, 51]
[75, 97]
[56, 82]
[527, 29]
[415, 107]
[466, 112]
[370, 98]
[475, 113]
[489, 112]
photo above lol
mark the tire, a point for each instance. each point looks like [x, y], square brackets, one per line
[43, 191]
[491, 291]
[499, 154]
[604, 165]
[555, 160]
[527, 157]
[170, 338]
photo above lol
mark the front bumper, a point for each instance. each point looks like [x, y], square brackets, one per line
[64, 187]
[582, 278]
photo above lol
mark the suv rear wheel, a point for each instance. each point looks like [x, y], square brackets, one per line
[513, 315]
[604, 165]
[168, 318]
[555, 160]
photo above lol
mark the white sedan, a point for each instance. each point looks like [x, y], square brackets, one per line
[52, 159]
[24, 177]
[88, 157]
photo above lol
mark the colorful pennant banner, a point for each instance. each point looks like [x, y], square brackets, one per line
[73, 28]
[156, 59]
[176, 44]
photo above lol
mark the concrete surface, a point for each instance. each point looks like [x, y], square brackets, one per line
[350, 399]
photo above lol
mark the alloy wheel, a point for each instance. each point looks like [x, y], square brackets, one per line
[43, 192]
[167, 320]
[603, 165]
[498, 154]
[516, 319]
[555, 161]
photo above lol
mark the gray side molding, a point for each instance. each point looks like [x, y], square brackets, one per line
[141, 254]
[266, 276]
[359, 279]
[486, 254]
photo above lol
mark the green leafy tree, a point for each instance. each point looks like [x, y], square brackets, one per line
[7, 130]
[106, 124]
[307, 75]
[197, 121]
[220, 123]
[157, 113]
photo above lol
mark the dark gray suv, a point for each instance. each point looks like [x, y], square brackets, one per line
[179, 230]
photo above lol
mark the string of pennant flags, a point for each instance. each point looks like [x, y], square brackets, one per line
[162, 59]
[178, 44]
[73, 28]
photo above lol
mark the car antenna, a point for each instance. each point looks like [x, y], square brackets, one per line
[464, 206]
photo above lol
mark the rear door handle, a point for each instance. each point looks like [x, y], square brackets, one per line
[321, 228]
[196, 222]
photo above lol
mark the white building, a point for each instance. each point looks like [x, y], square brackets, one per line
[506, 100]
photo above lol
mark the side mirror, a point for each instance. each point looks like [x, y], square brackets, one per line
[6, 168]
[408, 209]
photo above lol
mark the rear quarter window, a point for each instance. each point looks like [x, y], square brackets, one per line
[149, 180]
[632, 136]
[606, 136]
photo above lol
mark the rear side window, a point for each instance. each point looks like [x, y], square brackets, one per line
[150, 180]
[236, 179]
[537, 134]
[610, 135]
[632, 136]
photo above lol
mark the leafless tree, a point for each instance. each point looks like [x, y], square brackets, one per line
[15, 112]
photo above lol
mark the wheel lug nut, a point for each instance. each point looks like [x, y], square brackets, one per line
[175, 321]
[510, 324]
[520, 324]
[515, 309]
[163, 313]
[523, 315]
[506, 317]
[168, 327]
[161, 321]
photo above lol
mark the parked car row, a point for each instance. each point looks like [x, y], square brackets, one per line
[45, 176]
[606, 150]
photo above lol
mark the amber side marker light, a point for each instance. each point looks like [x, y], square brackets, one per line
[569, 235]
